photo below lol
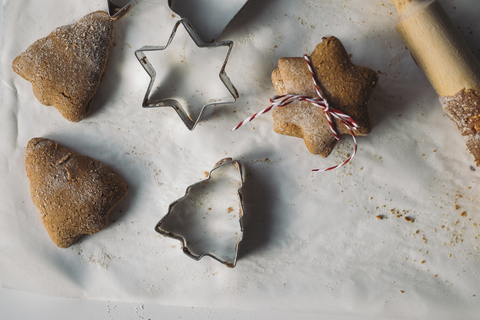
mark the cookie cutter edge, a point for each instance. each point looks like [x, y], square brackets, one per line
[123, 10]
[170, 4]
[187, 120]
[182, 239]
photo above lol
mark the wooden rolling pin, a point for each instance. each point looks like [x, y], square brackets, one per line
[447, 61]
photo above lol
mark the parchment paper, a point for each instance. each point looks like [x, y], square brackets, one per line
[312, 242]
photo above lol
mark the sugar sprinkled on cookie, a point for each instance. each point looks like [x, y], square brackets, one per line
[346, 87]
[73, 193]
[66, 67]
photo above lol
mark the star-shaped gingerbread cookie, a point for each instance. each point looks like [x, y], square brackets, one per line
[73, 193]
[346, 87]
[66, 67]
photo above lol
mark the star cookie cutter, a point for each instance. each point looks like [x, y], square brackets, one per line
[167, 102]
[118, 8]
[180, 215]
[201, 12]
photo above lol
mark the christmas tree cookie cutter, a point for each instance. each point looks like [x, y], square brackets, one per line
[118, 8]
[175, 104]
[189, 210]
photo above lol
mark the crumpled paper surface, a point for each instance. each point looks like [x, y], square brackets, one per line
[312, 241]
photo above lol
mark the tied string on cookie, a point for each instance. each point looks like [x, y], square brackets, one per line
[285, 100]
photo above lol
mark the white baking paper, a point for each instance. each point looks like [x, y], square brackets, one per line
[312, 241]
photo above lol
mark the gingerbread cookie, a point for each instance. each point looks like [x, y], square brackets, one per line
[74, 193]
[66, 67]
[346, 87]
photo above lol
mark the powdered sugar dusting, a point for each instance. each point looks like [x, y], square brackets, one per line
[311, 120]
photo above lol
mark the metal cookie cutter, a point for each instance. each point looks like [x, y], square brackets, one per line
[186, 218]
[209, 17]
[118, 8]
[187, 120]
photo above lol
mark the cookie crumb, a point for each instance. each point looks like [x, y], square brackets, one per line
[409, 219]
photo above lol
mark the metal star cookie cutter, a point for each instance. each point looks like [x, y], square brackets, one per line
[187, 120]
[116, 10]
[179, 210]
[201, 12]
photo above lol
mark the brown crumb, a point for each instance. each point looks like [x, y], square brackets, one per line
[230, 209]
[463, 214]
[206, 173]
[409, 219]
[457, 207]
[379, 217]
[423, 261]
[402, 291]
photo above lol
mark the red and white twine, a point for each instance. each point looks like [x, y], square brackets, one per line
[285, 100]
